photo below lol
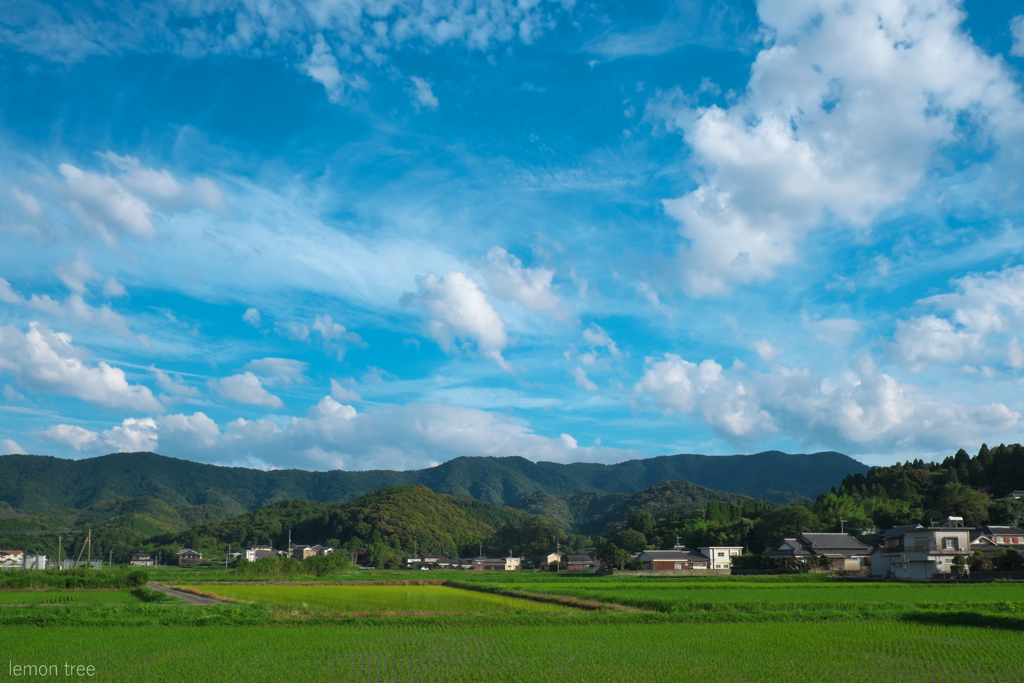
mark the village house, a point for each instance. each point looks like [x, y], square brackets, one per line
[547, 560]
[843, 551]
[506, 564]
[1002, 535]
[187, 557]
[678, 559]
[142, 560]
[720, 557]
[301, 552]
[917, 553]
[12, 559]
[258, 552]
[581, 563]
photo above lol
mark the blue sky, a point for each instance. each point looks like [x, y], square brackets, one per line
[383, 234]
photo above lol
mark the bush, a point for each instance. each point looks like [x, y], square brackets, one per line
[74, 578]
[321, 565]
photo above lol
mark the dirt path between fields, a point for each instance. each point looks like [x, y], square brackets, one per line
[191, 598]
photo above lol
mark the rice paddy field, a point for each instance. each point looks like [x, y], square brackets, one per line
[82, 597]
[735, 630]
[423, 651]
[428, 599]
[683, 597]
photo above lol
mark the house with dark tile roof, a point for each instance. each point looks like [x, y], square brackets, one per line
[844, 552]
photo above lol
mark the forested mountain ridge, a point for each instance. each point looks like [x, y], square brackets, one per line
[47, 485]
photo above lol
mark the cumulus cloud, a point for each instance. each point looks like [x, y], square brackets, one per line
[246, 388]
[333, 434]
[458, 309]
[531, 287]
[863, 407]
[334, 335]
[41, 360]
[980, 320]
[10, 447]
[767, 351]
[845, 108]
[677, 385]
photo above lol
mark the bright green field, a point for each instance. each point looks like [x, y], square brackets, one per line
[884, 651]
[85, 597]
[679, 596]
[401, 599]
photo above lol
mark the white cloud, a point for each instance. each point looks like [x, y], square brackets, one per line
[836, 331]
[582, 381]
[74, 308]
[101, 202]
[459, 310]
[333, 434]
[252, 317]
[278, 370]
[340, 392]
[28, 203]
[322, 66]
[767, 352]
[295, 331]
[598, 338]
[11, 395]
[246, 388]
[423, 94]
[929, 339]
[45, 361]
[727, 405]
[845, 108]
[173, 386]
[10, 447]
[132, 435]
[862, 408]
[1017, 31]
[983, 318]
[76, 437]
[531, 287]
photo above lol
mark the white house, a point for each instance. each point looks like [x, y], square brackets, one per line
[720, 557]
[11, 559]
[916, 553]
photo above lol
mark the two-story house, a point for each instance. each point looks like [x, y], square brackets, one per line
[720, 557]
[11, 559]
[917, 553]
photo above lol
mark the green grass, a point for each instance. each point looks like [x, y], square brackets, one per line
[888, 651]
[84, 597]
[375, 599]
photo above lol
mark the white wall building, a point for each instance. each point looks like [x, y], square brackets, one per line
[917, 553]
[720, 556]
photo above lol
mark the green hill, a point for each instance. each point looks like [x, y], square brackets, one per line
[34, 484]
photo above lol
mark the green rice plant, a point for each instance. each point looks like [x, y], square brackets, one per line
[84, 597]
[884, 650]
[399, 599]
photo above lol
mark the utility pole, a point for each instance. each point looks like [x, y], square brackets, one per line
[59, 539]
[111, 563]
[88, 562]
[841, 527]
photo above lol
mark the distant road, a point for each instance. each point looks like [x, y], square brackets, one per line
[192, 598]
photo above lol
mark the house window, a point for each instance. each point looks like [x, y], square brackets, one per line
[721, 554]
[950, 543]
[679, 565]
